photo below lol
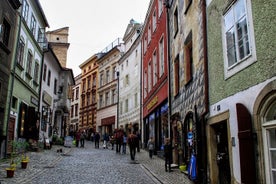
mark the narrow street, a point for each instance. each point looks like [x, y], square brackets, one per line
[90, 165]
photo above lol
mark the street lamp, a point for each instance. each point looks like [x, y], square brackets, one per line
[118, 86]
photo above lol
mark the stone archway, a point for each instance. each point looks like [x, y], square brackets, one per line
[265, 101]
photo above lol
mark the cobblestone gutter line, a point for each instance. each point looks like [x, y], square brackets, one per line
[151, 174]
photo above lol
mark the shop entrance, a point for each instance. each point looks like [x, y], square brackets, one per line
[222, 155]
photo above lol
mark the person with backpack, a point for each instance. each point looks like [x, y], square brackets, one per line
[132, 143]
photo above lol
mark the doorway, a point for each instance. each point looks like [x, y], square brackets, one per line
[222, 152]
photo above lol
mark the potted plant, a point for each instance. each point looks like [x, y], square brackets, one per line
[13, 160]
[22, 148]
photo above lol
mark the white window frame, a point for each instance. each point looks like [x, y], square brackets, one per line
[249, 59]
[161, 57]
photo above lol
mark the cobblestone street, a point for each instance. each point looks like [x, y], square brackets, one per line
[90, 165]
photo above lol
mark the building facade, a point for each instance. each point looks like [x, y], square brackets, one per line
[107, 91]
[9, 26]
[89, 82]
[23, 121]
[129, 77]
[241, 123]
[155, 75]
[55, 102]
[59, 42]
[75, 105]
[188, 84]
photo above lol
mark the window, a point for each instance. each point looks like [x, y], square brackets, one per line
[160, 7]
[106, 98]
[33, 25]
[155, 74]
[89, 82]
[93, 98]
[149, 33]
[73, 93]
[127, 80]
[113, 100]
[154, 21]
[107, 76]
[5, 32]
[44, 72]
[20, 52]
[76, 109]
[145, 84]
[72, 111]
[101, 101]
[49, 78]
[135, 100]
[126, 105]
[176, 76]
[41, 38]
[175, 21]
[188, 58]
[88, 99]
[83, 101]
[77, 93]
[238, 38]
[83, 85]
[121, 108]
[55, 87]
[161, 57]
[25, 10]
[94, 80]
[149, 77]
[36, 71]
[29, 63]
[114, 73]
[145, 44]
[101, 79]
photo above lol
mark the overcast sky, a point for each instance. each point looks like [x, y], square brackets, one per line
[93, 25]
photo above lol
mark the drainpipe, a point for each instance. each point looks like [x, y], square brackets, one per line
[168, 6]
[206, 81]
[13, 75]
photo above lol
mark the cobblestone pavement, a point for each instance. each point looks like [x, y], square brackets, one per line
[90, 165]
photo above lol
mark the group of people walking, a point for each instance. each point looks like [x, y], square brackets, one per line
[120, 139]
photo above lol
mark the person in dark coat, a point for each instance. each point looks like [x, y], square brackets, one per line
[78, 138]
[168, 154]
[97, 139]
[132, 143]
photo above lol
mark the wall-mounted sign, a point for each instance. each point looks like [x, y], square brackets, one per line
[47, 98]
[34, 101]
[153, 102]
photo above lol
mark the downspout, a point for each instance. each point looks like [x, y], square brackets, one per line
[168, 6]
[206, 93]
[13, 75]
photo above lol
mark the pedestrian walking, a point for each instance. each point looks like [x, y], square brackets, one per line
[82, 138]
[124, 143]
[97, 139]
[150, 146]
[168, 154]
[105, 141]
[78, 138]
[119, 140]
[132, 143]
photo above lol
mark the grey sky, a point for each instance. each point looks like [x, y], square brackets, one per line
[92, 24]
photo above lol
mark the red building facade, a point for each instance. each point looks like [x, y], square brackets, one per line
[154, 74]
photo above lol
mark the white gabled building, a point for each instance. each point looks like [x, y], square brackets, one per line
[129, 88]
[55, 95]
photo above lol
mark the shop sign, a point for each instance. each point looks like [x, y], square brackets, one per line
[47, 98]
[153, 102]
[34, 101]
